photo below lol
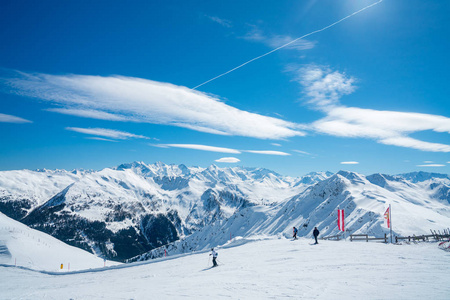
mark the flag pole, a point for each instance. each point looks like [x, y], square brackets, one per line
[390, 220]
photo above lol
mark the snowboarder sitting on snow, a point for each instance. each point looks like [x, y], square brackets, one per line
[316, 234]
[295, 233]
[214, 255]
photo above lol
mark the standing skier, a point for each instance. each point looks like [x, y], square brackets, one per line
[294, 233]
[316, 234]
[214, 255]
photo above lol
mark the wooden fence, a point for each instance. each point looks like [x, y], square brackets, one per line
[332, 237]
[365, 237]
[436, 235]
[356, 237]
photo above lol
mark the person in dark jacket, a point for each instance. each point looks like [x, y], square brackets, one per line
[294, 230]
[214, 255]
[316, 234]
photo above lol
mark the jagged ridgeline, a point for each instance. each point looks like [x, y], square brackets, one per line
[135, 209]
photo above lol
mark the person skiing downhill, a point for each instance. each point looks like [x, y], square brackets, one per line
[294, 233]
[214, 255]
[316, 234]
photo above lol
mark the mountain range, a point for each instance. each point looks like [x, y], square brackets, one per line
[138, 211]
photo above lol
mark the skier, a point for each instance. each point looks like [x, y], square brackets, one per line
[295, 232]
[214, 255]
[316, 234]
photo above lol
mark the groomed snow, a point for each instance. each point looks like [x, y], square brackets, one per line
[262, 268]
[26, 247]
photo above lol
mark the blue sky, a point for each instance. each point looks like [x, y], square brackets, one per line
[92, 84]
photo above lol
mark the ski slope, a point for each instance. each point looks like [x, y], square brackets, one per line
[257, 268]
[29, 248]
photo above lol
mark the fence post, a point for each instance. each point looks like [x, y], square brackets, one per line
[367, 238]
[396, 239]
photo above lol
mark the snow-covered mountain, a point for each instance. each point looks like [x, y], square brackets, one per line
[137, 208]
[415, 210]
[127, 210]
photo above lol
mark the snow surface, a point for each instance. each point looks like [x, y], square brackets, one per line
[26, 247]
[257, 268]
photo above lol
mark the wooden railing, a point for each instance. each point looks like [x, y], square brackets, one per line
[332, 237]
[365, 237]
[437, 235]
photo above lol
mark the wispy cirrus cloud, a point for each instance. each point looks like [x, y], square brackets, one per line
[219, 149]
[115, 134]
[12, 119]
[230, 160]
[275, 41]
[90, 114]
[200, 147]
[302, 152]
[101, 139]
[323, 88]
[349, 163]
[119, 98]
[224, 22]
[267, 152]
[431, 165]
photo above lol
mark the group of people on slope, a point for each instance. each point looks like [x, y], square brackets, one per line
[315, 233]
[214, 253]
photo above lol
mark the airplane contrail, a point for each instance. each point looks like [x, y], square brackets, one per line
[287, 44]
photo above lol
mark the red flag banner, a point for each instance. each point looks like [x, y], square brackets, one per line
[387, 216]
[341, 217]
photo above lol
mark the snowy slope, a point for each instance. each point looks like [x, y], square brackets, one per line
[265, 268]
[26, 247]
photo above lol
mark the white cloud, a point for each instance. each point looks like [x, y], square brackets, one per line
[89, 113]
[115, 134]
[280, 40]
[220, 149]
[267, 152]
[387, 127]
[302, 152]
[136, 99]
[12, 119]
[349, 163]
[101, 139]
[230, 160]
[415, 144]
[431, 165]
[324, 88]
[200, 147]
[223, 22]
[428, 162]
[275, 41]
[276, 144]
